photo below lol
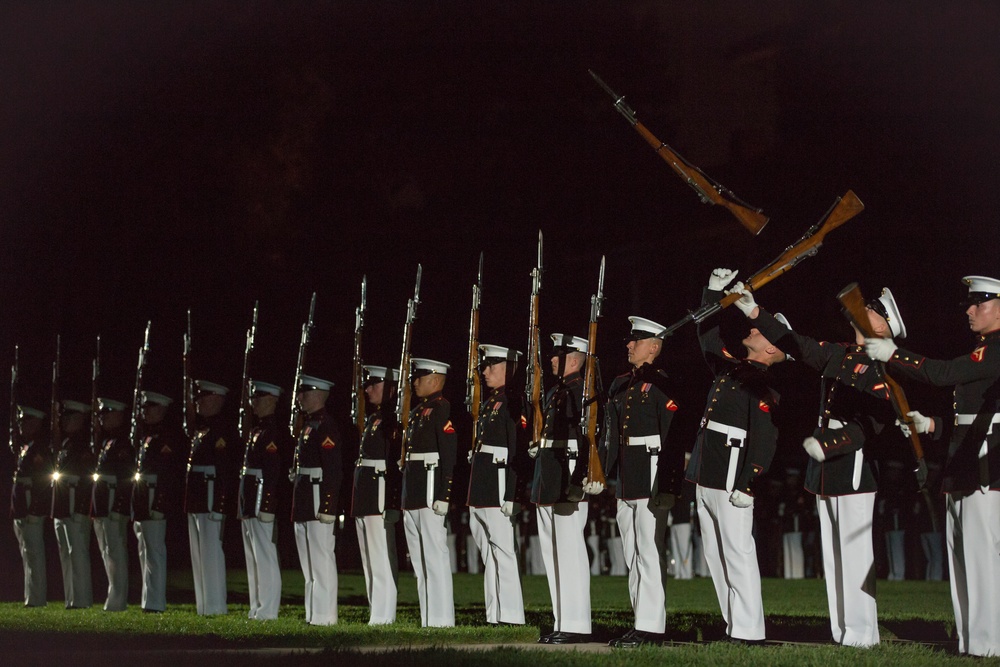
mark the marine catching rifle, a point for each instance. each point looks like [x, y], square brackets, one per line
[708, 191]
[843, 209]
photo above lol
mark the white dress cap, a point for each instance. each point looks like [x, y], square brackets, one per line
[428, 366]
[266, 388]
[568, 343]
[155, 398]
[307, 382]
[498, 352]
[643, 328]
[110, 405]
[75, 406]
[25, 411]
[206, 387]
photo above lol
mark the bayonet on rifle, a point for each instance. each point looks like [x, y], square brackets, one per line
[357, 387]
[595, 472]
[246, 392]
[295, 419]
[709, 192]
[843, 209]
[403, 395]
[533, 389]
[473, 383]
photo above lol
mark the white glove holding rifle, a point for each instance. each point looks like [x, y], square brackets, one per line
[746, 303]
[720, 278]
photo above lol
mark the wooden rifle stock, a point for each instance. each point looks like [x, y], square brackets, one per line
[190, 413]
[843, 209]
[13, 404]
[709, 193]
[245, 421]
[140, 371]
[55, 431]
[95, 408]
[296, 418]
[358, 382]
[855, 310]
[533, 390]
[595, 472]
[473, 383]
[404, 394]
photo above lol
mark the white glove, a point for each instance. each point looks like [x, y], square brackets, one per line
[720, 278]
[470, 456]
[326, 518]
[814, 449]
[741, 500]
[592, 488]
[533, 450]
[216, 516]
[904, 428]
[510, 508]
[574, 493]
[440, 507]
[879, 349]
[663, 501]
[265, 517]
[920, 422]
[746, 302]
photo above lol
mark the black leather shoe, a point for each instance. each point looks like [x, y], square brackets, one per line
[567, 638]
[635, 639]
[544, 639]
[745, 642]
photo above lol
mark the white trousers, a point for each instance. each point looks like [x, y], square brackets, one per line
[973, 534]
[30, 533]
[377, 542]
[112, 535]
[316, 545]
[263, 571]
[151, 536]
[794, 558]
[616, 557]
[643, 539]
[494, 536]
[73, 538]
[427, 542]
[731, 553]
[682, 549]
[593, 542]
[848, 560]
[567, 567]
[208, 564]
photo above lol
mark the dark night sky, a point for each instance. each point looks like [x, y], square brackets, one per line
[159, 156]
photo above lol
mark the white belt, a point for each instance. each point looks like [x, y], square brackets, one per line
[499, 455]
[207, 471]
[859, 456]
[571, 446]
[111, 480]
[984, 449]
[255, 472]
[72, 480]
[379, 466]
[430, 460]
[315, 476]
[834, 423]
[650, 442]
[735, 439]
[149, 478]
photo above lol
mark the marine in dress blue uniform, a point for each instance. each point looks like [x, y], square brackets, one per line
[376, 494]
[207, 496]
[317, 474]
[557, 491]
[648, 469]
[428, 473]
[111, 499]
[71, 485]
[155, 495]
[260, 477]
[735, 445]
[971, 476]
[498, 484]
[842, 470]
[30, 499]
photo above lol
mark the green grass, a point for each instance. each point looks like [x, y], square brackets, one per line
[915, 616]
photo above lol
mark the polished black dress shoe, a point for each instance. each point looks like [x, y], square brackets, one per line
[567, 638]
[544, 639]
[635, 639]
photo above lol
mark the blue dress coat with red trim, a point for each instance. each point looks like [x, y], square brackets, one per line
[430, 430]
[319, 446]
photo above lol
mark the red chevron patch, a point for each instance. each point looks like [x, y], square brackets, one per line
[448, 428]
[978, 354]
